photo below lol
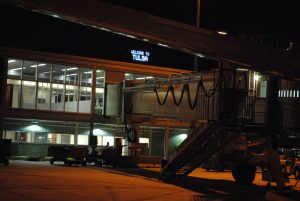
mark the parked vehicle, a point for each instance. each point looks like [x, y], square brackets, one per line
[5, 151]
[290, 163]
[69, 155]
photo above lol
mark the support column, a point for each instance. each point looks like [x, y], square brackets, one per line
[196, 63]
[3, 78]
[91, 136]
[220, 90]
[166, 147]
[273, 111]
[76, 134]
[150, 143]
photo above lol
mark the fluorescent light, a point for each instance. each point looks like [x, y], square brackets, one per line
[88, 72]
[256, 77]
[99, 90]
[127, 74]
[182, 136]
[100, 78]
[11, 60]
[242, 69]
[71, 74]
[69, 69]
[17, 68]
[35, 65]
[99, 71]
[140, 78]
[149, 77]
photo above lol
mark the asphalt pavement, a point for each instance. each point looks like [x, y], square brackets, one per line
[40, 181]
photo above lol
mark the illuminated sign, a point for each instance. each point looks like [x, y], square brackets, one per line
[139, 55]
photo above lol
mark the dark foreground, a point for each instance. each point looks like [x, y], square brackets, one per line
[39, 181]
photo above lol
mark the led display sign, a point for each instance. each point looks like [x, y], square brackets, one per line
[139, 55]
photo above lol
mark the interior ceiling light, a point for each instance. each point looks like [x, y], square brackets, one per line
[35, 65]
[17, 68]
[11, 60]
[71, 74]
[69, 69]
[242, 69]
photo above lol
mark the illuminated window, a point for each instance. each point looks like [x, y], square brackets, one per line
[108, 140]
[144, 140]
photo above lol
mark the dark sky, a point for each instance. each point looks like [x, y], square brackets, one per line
[268, 17]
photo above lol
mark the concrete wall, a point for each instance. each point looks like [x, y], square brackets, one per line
[27, 149]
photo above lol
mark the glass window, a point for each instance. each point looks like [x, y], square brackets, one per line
[14, 68]
[144, 140]
[57, 97]
[86, 77]
[25, 137]
[128, 76]
[58, 73]
[99, 96]
[83, 139]
[71, 98]
[11, 135]
[40, 137]
[100, 78]
[29, 70]
[54, 138]
[43, 99]
[28, 94]
[67, 139]
[14, 91]
[108, 140]
[72, 75]
[99, 100]
[44, 72]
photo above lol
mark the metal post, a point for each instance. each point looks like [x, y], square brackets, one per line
[3, 78]
[91, 133]
[273, 110]
[198, 14]
[197, 25]
[76, 134]
[220, 90]
[166, 147]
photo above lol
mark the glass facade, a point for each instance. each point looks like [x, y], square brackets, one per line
[47, 86]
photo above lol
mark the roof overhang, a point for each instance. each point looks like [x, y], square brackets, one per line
[178, 36]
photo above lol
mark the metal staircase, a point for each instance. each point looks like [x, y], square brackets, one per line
[197, 148]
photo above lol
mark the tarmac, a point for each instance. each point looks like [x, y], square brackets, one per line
[40, 181]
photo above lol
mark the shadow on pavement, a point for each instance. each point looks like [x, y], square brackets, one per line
[212, 189]
[209, 189]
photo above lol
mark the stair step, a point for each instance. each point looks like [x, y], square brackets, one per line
[189, 154]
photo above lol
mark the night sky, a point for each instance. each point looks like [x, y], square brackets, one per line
[268, 17]
[29, 30]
